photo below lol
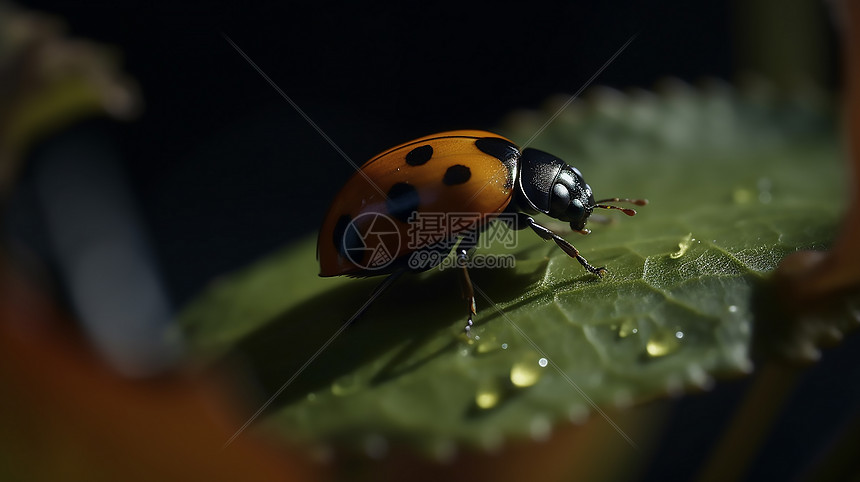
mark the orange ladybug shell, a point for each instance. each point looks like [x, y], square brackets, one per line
[469, 173]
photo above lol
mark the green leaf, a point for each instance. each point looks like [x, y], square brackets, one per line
[736, 182]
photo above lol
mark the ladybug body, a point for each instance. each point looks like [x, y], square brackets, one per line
[460, 171]
[380, 221]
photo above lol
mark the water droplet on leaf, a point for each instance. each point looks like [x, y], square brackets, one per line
[488, 397]
[662, 343]
[627, 328]
[525, 374]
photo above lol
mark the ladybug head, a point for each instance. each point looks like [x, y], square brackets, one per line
[570, 198]
[549, 185]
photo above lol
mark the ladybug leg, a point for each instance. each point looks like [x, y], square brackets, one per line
[468, 290]
[526, 220]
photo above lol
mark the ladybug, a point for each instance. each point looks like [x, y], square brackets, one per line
[377, 224]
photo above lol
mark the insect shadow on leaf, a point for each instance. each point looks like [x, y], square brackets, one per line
[404, 320]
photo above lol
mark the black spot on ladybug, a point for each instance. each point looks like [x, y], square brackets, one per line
[498, 148]
[402, 201]
[419, 155]
[457, 174]
[345, 236]
[504, 151]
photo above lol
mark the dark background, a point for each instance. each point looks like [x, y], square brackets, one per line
[225, 171]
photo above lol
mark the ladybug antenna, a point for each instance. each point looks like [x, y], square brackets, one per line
[627, 211]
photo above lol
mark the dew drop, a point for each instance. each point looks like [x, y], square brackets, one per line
[679, 334]
[524, 374]
[345, 385]
[661, 344]
[733, 309]
[504, 346]
[627, 328]
[683, 246]
[543, 362]
[487, 397]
